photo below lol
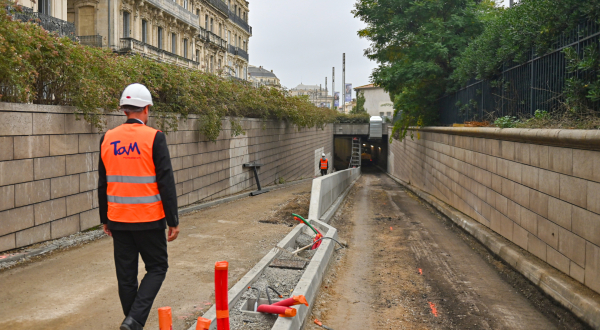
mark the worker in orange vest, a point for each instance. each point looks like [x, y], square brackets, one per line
[137, 201]
[323, 164]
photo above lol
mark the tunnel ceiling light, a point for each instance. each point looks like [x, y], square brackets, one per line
[364, 145]
[372, 146]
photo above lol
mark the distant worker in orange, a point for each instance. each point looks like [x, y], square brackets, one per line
[137, 201]
[323, 164]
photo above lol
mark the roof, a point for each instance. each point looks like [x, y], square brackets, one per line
[260, 72]
[306, 87]
[366, 87]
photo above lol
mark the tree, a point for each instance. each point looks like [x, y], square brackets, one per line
[415, 42]
[360, 104]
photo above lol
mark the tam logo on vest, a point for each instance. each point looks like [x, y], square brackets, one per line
[122, 150]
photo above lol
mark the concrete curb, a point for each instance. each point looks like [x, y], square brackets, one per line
[580, 300]
[309, 283]
[241, 286]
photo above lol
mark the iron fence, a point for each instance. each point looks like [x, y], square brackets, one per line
[521, 88]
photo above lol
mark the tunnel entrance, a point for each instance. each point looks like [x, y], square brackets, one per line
[373, 152]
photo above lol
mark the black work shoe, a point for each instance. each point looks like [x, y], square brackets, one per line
[130, 324]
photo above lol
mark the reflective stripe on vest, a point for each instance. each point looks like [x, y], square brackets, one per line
[323, 164]
[132, 190]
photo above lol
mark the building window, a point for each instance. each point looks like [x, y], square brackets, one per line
[219, 67]
[244, 48]
[229, 37]
[389, 114]
[197, 56]
[206, 22]
[220, 27]
[44, 7]
[126, 17]
[212, 62]
[212, 25]
[173, 43]
[185, 4]
[159, 38]
[381, 114]
[144, 31]
[185, 48]
[229, 5]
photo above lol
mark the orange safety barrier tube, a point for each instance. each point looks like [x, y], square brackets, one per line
[202, 323]
[165, 319]
[283, 311]
[221, 300]
[295, 300]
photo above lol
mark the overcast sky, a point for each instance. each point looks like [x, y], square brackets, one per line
[302, 41]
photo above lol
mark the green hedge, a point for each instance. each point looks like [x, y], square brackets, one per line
[39, 67]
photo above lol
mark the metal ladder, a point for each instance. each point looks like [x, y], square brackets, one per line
[355, 155]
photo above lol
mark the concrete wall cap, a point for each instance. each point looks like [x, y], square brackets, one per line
[573, 138]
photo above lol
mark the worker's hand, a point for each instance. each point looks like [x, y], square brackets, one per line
[106, 230]
[173, 232]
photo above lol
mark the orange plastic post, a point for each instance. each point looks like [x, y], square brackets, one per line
[165, 319]
[221, 300]
[202, 324]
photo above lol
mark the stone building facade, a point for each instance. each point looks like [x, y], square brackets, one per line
[209, 35]
[260, 76]
[317, 95]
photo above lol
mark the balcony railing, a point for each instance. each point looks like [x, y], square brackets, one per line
[220, 5]
[49, 23]
[205, 35]
[93, 41]
[176, 11]
[238, 51]
[239, 21]
[130, 45]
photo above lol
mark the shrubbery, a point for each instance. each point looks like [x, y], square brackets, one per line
[41, 68]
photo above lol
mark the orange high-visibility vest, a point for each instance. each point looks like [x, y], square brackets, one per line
[323, 164]
[132, 190]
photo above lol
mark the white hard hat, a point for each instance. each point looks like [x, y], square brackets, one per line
[136, 95]
[323, 155]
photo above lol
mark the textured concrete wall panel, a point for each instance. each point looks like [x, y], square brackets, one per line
[533, 188]
[48, 166]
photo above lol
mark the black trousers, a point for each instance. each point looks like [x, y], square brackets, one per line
[323, 172]
[152, 246]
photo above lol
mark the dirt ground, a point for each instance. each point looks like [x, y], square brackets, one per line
[407, 267]
[77, 288]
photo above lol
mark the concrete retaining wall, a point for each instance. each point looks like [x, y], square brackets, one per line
[540, 189]
[48, 166]
[326, 189]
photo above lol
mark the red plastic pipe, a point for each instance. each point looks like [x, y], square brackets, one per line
[221, 301]
[295, 300]
[283, 311]
[165, 320]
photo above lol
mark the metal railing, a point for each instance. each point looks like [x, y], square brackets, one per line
[220, 5]
[49, 23]
[238, 51]
[521, 88]
[177, 11]
[93, 41]
[208, 36]
[130, 45]
[239, 21]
